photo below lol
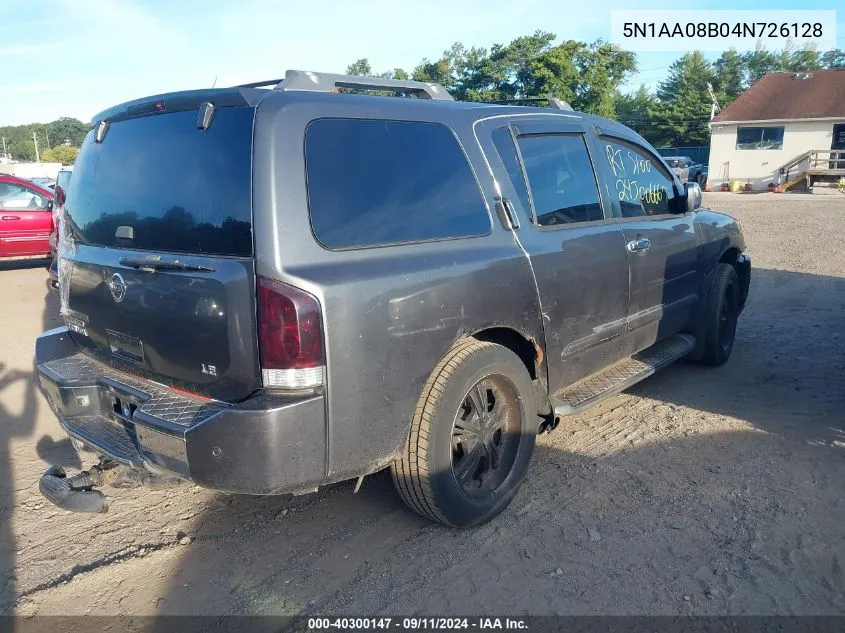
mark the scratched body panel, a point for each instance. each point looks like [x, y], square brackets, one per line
[581, 270]
[390, 313]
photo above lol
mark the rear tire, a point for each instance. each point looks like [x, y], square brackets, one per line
[721, 316]
[471, 437]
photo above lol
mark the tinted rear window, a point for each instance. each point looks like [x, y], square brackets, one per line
[561, 177]
[378, 182]
[181, 189]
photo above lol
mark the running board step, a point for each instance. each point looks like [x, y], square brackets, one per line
[624, 374]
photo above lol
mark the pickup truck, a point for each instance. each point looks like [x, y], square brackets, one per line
[685, 168]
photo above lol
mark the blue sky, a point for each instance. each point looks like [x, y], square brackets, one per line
[76, 57]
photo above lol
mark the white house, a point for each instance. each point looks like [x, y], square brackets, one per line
[785, 129]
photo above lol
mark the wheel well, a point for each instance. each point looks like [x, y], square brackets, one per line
[730, 257]
[528, 351]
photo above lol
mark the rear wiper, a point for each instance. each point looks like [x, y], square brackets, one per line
[158, 264]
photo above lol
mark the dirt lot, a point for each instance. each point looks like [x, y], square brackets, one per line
[700, 491]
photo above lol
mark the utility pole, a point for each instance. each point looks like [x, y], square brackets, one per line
[5, 155]
[714, 105]
[37, 155]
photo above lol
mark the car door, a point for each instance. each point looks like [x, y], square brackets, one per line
[544, 169]
[663, 252]
[26, 220]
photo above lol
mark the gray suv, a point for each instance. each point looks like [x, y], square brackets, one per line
[274, 287]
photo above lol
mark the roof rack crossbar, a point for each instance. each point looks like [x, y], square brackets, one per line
[259, 84]
[553, 102]
[329, 82]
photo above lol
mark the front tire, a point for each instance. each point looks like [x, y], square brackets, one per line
[471, 437]
[721, 316]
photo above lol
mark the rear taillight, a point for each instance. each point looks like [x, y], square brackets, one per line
[290, 337]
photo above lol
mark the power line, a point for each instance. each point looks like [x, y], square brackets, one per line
[655, 68]
[665, 122]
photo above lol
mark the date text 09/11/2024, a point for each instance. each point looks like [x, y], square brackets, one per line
[416, 624]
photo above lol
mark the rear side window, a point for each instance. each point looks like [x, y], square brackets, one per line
[377, 183]
[15, 196]
[563, 184]
[181, 189]
[641, 184]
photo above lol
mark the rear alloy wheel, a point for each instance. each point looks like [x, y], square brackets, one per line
[721, 317]
[485, 436]
[471, 438]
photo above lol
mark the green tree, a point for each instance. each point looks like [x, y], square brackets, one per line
[460, 71]
[360, 68]
[807, 58]
[637, 110]
[833, 59]
[20, 145]
[602, 70]
[24, 150]
[438, 72]
[730, 76]
[684, 111]
[555, 73]
[514, 63]
[66, 130]
[758, 63]
[64, 154]
[586, 75]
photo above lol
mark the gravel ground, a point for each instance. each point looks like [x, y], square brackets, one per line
[699, 491]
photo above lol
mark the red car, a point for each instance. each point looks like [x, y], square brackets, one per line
[26, 218]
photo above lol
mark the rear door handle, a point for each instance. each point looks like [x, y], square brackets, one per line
[641, 244]
[11, 217]
[506, 213]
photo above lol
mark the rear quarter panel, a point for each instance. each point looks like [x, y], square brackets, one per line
[717, 232]
[390, 313]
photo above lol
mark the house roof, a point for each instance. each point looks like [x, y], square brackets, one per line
[790, 95]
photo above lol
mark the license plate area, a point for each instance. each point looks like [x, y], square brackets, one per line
[125, 346]
[121, 407]
[119, 401]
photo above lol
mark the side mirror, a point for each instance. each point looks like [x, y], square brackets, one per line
[48, 206]
[692, 190]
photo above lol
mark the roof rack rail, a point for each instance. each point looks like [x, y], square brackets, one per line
[553, 102]
[330, 82]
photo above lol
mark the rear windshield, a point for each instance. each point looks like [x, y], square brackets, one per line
[180, 189]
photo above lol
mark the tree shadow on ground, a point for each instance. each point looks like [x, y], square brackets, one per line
[787, 372]
[16, 422]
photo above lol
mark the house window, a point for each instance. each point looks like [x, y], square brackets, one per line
[759, 138]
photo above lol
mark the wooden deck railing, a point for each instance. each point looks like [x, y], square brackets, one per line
[817, 162]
